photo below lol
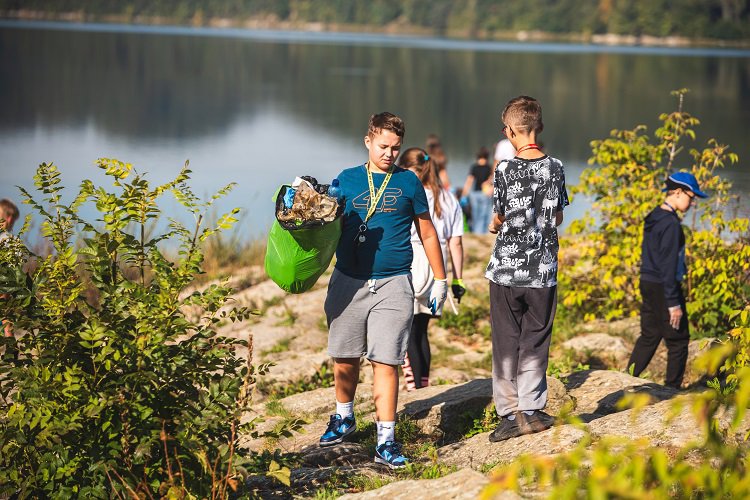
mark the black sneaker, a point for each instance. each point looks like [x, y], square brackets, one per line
[536, 422]
[506, 429]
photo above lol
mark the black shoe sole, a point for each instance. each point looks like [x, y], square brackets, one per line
[509, 434]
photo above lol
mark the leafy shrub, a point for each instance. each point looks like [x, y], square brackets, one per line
[133, 393]
[715, 467]
[600, 271]
[467, 319]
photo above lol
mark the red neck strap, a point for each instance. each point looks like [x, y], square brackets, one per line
[527, 147]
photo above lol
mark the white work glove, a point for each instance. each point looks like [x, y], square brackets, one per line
[675, 315]
[438, 294]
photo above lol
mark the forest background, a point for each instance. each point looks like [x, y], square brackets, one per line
[631, 21]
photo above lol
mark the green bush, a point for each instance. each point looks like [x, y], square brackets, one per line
[132, 393]
[713, 467]
[600, 272]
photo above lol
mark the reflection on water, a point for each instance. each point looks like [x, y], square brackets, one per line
[259, 112]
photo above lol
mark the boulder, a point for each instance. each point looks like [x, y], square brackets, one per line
[477, 452]
[671, 423]
[596, 392]
[322, 402]
[601, 350]
[337, 455]
[464, 484]
[437, 409]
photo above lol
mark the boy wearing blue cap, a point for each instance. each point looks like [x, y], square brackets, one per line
[663, 313]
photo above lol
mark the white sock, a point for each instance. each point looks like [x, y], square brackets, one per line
[386, 432]
[345, 409]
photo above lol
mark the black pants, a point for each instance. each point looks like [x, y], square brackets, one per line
[654, 327]
[521, 320]
[419, 350]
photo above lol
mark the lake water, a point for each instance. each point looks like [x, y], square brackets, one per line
[260, 107]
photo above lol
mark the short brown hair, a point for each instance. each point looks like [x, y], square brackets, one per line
[8, 212]
[524, 113]
[386, 121]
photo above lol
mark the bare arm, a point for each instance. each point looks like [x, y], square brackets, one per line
[558, 217]
[431, 244]
[456, 249]
[468, 185]
[497, 221]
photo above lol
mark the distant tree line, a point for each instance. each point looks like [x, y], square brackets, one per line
[719, 19]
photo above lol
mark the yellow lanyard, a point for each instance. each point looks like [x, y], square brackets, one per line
[375, 197]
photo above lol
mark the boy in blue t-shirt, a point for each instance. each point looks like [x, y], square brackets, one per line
[369, 306]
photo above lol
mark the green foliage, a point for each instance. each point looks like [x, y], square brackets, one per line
[714, 467]
[485, 423]
[467, 321]
[567, 363]
[600, 275]
[692, 18]
[135, 393]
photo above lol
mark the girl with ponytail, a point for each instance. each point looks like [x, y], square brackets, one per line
[447, 218]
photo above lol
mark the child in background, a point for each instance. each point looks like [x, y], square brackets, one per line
[663, 312]
[447, 218]
[369, 306]
[8, 215]
[434, 148]
[529, 196]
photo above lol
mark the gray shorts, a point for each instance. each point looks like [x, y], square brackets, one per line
[363, 323]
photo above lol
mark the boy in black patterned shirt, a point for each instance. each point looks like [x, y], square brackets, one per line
[529, 198]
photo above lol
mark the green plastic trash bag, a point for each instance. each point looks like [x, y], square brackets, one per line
[299, 252]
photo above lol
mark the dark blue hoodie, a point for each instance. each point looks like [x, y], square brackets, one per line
[663, 253]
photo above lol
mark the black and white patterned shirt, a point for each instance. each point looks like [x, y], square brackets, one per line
[528, 193]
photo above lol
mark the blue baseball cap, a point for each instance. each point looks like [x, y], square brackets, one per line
[684, 180]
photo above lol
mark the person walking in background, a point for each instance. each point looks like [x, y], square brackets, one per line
[369, 305]
[434, 148]
[478, 189]
[663, 312]
[529, 198]
[446, 216]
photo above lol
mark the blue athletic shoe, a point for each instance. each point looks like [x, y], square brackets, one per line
[338, 429]
[389, 453]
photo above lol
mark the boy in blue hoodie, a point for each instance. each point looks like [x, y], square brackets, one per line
[663, 313]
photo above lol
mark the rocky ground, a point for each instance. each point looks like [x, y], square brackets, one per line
[443, 423]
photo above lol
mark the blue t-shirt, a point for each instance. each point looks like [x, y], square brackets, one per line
[387, 250]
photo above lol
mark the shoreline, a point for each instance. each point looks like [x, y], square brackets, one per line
[403, 29]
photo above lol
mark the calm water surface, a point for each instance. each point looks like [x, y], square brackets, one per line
[260, 107]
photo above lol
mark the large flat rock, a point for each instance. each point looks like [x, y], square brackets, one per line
[596, 392]
[466, 484]
[478, 451]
